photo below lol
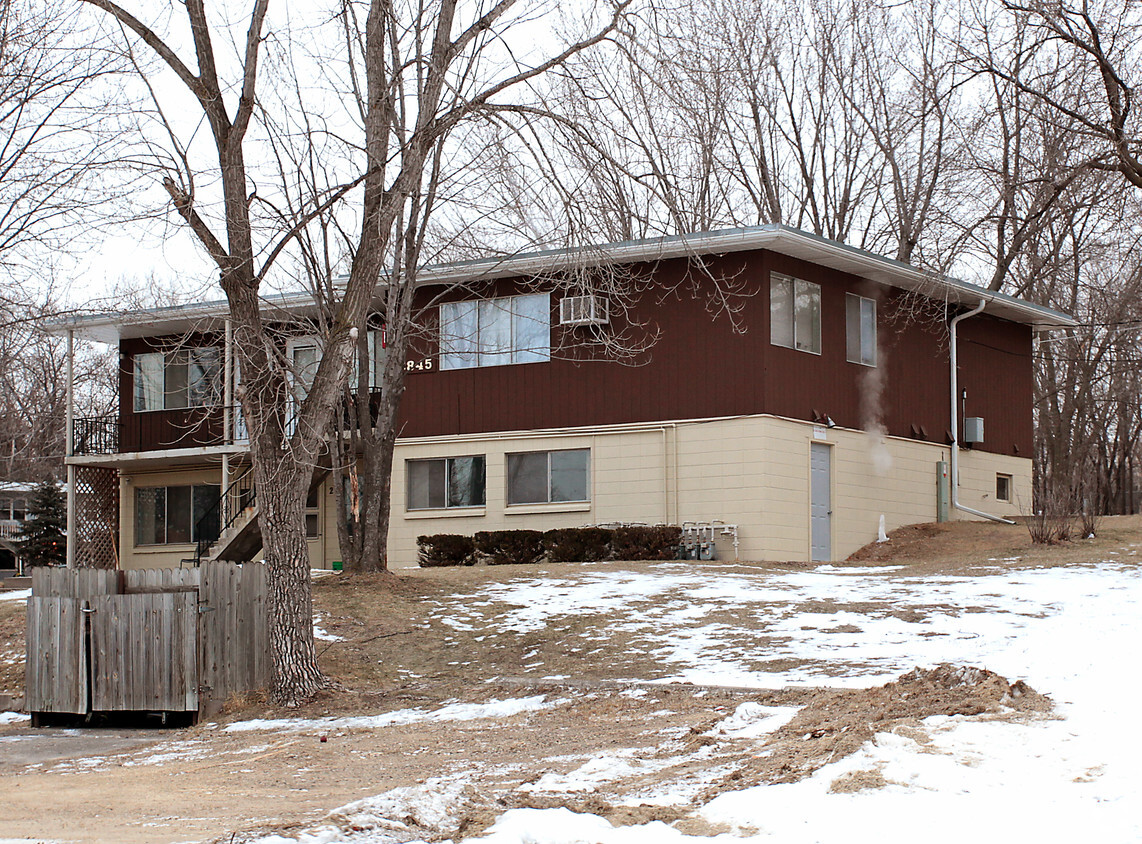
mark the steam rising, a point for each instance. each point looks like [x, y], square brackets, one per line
[872, 412]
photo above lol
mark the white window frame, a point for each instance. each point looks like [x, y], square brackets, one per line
[377, 354]
[472, 333]
[860, 315]
[800, 301]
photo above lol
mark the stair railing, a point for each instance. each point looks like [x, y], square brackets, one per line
[237, 497]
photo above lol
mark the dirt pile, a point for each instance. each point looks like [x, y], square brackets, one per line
[836, 722]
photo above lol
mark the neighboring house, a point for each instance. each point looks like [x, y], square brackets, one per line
[14, 498]
[510, 420]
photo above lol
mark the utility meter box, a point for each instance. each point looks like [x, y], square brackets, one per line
[973, 429]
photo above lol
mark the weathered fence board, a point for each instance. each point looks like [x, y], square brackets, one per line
[56, 670]
[73, 583]
[142, 652]
[175, 640]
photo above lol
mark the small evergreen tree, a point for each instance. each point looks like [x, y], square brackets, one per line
[43, 541]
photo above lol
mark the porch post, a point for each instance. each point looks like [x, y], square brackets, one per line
[227, 416]
[68, 449]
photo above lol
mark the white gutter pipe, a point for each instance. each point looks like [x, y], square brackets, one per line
[955, 484]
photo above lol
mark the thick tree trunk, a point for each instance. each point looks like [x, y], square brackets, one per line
[295, 676]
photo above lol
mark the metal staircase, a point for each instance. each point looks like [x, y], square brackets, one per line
[238, 537]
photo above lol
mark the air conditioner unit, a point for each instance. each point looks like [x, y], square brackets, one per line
[583, 310]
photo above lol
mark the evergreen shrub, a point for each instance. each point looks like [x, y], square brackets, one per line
[507, 547]
[577, 545]
[445, 549]
[641, 542]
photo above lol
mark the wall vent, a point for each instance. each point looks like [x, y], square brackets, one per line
[583, 310]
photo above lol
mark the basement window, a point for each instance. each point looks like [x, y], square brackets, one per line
[795, 314]
[1003, 487]
[861, 329]
[446, 482]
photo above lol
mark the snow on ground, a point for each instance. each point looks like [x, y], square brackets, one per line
[12, 717]
[323, 635]
[15, 594]
[451, 712]
[1070, 632]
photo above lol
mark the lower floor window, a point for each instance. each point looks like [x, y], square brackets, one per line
[1003, 487]
[168, 515]
[446, 482]
[313, 513]
[541, 477]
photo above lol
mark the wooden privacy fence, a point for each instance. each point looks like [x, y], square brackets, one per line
[153, 640]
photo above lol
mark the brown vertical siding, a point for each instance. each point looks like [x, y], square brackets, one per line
[706, 365]
[155, 430]
[703, 365]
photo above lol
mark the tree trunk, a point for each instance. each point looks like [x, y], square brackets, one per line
[295, 675]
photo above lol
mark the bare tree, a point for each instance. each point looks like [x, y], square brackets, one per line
[33, 392]
[422, 77]
[1097, 44]
[60, 168]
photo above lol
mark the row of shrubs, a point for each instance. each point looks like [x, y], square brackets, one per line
[562, 545]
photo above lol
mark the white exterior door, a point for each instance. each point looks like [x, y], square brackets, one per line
[820, 503]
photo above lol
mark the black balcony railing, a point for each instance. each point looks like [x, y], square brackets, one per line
[95, 435]
[231, 504]
[156, 430]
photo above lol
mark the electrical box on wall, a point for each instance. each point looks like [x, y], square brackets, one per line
[973, 429]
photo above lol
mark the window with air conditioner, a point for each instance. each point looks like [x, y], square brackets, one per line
[583, 310]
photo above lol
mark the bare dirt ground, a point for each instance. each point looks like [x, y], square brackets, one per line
[397, 653]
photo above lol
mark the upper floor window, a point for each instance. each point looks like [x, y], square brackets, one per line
[304, 357]
[795, 313]
[190, 377]
[861, 329]
[490, 332]
[376, 350]
[541, 477]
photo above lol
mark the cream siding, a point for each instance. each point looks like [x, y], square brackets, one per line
[749, 471]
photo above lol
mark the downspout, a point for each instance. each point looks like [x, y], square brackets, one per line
[69, 449]
[955, 483]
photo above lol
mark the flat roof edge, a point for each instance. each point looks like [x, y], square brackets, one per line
[108, 327]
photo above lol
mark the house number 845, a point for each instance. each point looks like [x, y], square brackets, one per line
[419, 365]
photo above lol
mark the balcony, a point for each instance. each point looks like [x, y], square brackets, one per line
[157, 430]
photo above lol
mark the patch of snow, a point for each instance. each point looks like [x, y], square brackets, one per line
[12, 717]
[752, 720]
[452, 712]
[590, 775]
[15, 594]
[323, 635]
